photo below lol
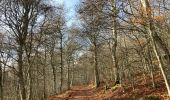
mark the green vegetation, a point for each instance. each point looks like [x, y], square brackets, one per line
[115, 87]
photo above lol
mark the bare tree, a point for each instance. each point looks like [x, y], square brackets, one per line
[92, 18]
[18, 17]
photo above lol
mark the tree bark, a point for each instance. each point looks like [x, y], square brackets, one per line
[72, 73]
[68, 74]
[61, 61]
[151, 66]
[54, 78]
[53, 69]
[44, 74]
[97, 79]
[20, 72]
[1, 82]
[114, 42]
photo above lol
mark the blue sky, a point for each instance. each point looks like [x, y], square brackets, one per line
[68, 3]
[70, 9]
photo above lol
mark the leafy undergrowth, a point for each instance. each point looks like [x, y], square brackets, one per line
[140, 92]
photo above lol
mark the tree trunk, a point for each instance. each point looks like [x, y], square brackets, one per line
[1, 82]
[114, 43]
[54, 71]
[72, 74]
[30, 77]
[96, 73]
[68, 74]
[151, 66]
[54, 78]
[44, 74]
[31, 84]
[61, 61]
[20, 73]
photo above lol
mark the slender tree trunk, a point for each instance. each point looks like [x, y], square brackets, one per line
[161, 43]
[114, 43]
[68, 74]
[31, 84]
[44, 73]
[18, 91]
[54, 78]
[28, 51]
[152, 76]
[143, 60]
[54, 70]
[61, 62]
[30, 97]
[1, 82]
[38, 82]
[20, 73]
[52, 64]
[97, 79]
[159, 61]
[151, 65]
[72, 74]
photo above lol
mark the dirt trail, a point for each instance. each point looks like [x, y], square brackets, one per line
[81, 93]
[78, 93]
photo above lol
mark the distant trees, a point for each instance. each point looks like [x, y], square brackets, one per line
[71, 48]
[92, 26]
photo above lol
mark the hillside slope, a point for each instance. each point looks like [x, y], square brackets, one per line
[119, 93]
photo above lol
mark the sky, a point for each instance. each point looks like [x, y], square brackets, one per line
[68, 3]
[70, 6]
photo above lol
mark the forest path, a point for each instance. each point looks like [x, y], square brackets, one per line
[83, 93]
[78, 93]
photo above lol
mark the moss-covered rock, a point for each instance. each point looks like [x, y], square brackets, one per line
[115, 87]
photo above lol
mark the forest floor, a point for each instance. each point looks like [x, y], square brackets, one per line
[120, 93]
